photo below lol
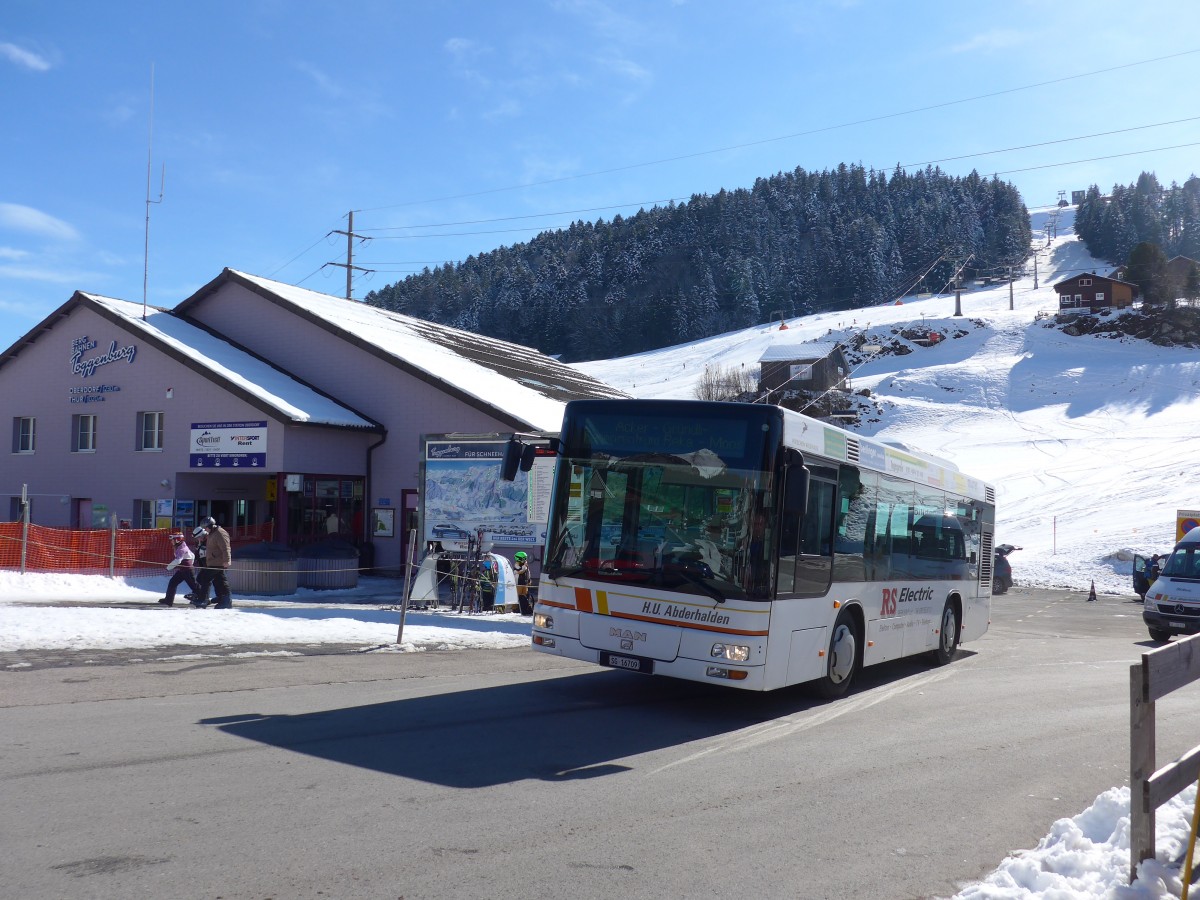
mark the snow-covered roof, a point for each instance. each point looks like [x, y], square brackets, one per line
[1075, 278]
[792, 350]
[235, 369]
[512, 382]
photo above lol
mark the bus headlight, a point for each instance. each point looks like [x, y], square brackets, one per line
[731, 652]
[542, 620]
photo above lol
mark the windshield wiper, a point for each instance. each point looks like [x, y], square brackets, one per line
[700, 583]
[556, 572]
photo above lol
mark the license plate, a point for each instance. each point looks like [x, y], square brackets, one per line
[630, 663]
[1177, 625]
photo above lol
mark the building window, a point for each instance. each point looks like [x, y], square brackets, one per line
[1085, 282]
[24, 432]
[801, 372]
[149, 431]
[1079, 299]
[83, 434]
[1099, 298]
[143, 513]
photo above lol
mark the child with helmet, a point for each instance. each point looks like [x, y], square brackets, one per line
[180, 568]
[521, 571]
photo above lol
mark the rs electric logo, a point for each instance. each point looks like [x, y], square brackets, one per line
[894, 596]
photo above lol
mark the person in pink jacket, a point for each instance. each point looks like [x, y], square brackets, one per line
[180, 568]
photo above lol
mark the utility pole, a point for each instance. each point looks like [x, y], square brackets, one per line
[958, 291]
[1010, 289]
[348, 265]
[1035, 270]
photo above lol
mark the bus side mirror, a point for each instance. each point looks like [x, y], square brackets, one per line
[795, 500]
[514, 456]
[519, 456]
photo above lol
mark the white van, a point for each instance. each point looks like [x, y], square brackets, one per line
[1172, 604]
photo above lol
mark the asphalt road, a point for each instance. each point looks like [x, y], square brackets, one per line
[509, 774]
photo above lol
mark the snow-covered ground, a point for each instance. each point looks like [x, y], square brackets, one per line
[367, 615]
[1086, 440]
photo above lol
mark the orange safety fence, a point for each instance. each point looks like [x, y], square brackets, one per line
[99, 551]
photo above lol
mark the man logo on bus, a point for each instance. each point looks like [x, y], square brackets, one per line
[889, 602]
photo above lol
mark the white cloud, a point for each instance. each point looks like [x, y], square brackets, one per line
[462, 49]
[32, 221]
[601, 18]
[25, 58]
[12, 253]
[626, 68]
[507, 109]
[999, 39]
[466, 53]
[120, 110]
[46, 275]
[326, 84]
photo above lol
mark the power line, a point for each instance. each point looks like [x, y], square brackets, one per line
[1097, 158]
[300, 254]
[1082, 137]
[798, 134]
[653, 203]
[442, 234]
[785, 137]
[563, 212]
[560, 227]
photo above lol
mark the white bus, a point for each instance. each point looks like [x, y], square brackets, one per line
[754, 547]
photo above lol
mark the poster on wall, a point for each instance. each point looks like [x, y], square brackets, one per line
[228, 445]
[464, 493]
[383, 521]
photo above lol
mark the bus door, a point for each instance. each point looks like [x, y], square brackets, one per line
[806, 540]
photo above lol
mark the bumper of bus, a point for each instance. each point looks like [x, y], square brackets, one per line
[563, 640]
[1172, 622]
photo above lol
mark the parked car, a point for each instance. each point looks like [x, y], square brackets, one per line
[1172, 604]
[452, 532]
[1002, 577]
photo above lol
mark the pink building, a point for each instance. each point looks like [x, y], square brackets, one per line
[254, 401]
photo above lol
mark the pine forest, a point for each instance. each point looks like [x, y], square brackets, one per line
[794, 244]
[1143, 212]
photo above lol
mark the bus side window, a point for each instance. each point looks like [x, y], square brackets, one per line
[856, 505]
[815, 560]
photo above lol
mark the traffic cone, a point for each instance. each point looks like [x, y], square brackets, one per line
[1092, 592]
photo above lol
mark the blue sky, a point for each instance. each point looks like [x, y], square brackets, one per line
[455, 128]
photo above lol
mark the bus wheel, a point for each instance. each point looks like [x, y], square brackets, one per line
[843, 657]
[948, 636]
[1160, 635]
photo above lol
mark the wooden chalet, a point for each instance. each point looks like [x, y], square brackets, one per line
[1089, 291]
[815, 367]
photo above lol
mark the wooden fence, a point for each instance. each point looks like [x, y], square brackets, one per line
[1160, 672]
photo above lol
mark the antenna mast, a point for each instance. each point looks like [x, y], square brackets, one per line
[162, 184]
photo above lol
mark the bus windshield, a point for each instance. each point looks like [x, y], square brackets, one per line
[673, 503]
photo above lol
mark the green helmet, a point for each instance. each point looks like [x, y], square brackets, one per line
[520, 556]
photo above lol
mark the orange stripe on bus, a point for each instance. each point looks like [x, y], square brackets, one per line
[583, 599]
[545, 602]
